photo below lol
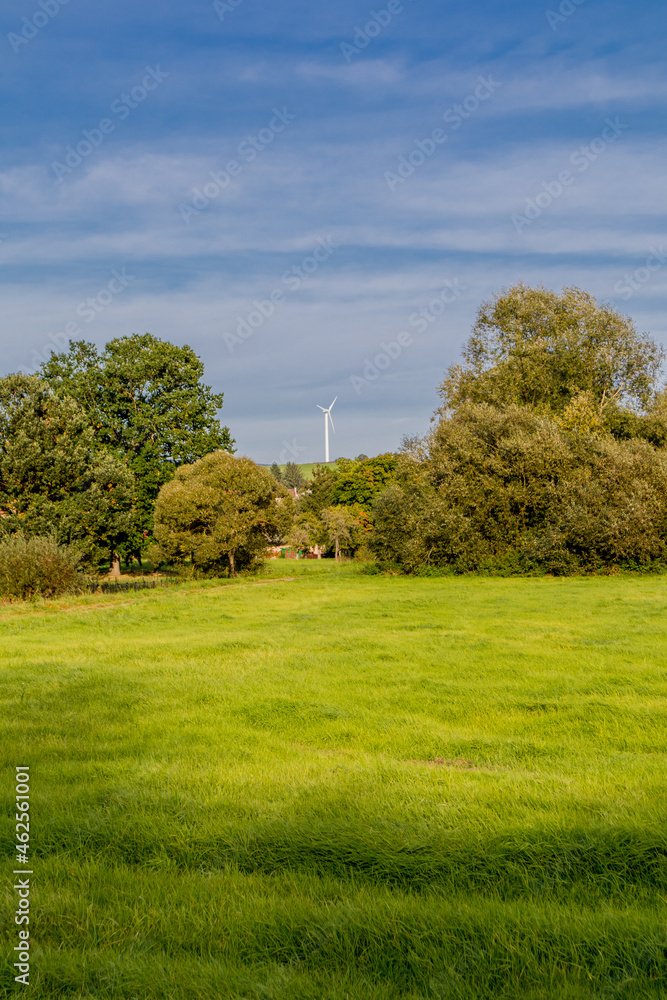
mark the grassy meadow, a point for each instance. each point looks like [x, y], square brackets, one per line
[342, 787]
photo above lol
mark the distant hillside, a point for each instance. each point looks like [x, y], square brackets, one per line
[307, 468]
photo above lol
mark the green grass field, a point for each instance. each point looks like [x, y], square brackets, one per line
[308, 468]
[342, 787]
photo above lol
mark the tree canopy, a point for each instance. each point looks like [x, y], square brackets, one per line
[337, 504]
[221, 511]
[146, 403]
[536, 462]
[360, 481]
[548, 454]
[52, 479]
[513, 490]
[536, 347]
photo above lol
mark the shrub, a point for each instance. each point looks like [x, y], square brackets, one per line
[38, 566]
[513, 491]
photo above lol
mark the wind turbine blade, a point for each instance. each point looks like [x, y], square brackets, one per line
[331, 422]
[320, 407]
[331, 407]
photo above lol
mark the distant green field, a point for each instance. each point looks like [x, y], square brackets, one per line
[342, 787]
[308, 468]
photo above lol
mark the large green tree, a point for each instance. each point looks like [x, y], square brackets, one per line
[147, 404]
[535, 347]
[53, 481]
[318, 495]
[221, 512]
[360, 481]
[515, 490]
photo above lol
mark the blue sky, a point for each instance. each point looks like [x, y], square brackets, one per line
[300, 190]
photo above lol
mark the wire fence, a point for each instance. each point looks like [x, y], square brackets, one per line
[122, 586]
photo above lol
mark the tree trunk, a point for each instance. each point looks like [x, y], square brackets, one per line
[115, 564]
[231, 564]
[337, 551]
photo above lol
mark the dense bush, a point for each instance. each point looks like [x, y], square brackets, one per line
[37, 566]
[513, 490]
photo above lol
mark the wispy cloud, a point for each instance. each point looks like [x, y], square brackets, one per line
[325, 174]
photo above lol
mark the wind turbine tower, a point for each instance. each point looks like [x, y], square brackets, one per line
[327, 420]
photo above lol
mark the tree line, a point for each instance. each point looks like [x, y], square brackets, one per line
[548, 454]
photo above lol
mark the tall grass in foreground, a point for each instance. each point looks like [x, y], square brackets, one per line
[344, 787]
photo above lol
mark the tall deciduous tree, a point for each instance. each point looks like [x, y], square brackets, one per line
[52, 480]
[146, 402]
[338, 524]
[535, 347]
[221, 511]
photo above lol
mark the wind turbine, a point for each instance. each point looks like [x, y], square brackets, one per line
[327, 413]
